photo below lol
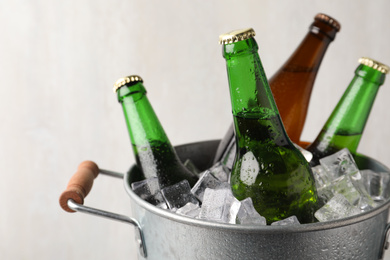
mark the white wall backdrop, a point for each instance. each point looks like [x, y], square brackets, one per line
[59, 60]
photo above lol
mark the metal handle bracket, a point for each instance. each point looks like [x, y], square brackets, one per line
[113, 216]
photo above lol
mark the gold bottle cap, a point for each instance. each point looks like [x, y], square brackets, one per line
[123, 81]
[236, 36]
[329, 20]
[374, 64]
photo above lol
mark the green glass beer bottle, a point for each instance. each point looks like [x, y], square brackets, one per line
[153, 151]
[292, 83]
[345, 126]
[268, 167]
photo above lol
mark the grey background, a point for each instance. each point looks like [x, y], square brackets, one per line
[59, 60]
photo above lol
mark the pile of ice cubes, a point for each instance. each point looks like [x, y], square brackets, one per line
[343, 191]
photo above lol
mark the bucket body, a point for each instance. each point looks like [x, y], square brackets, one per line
[171, 236]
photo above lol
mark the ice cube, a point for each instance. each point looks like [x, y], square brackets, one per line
[324, 195]
[248, 215]
[206, 180]
[213, 203]
[321, 176]
[343, 185]
[351, 188]
[220, 171]
[366, 202]
[286, 222]
[230, 155]
[190, 209]
[162, 205]
[149, 190]
[377, 184]
[336, 208]
[178, 195]
[323, 181]
[223, 185]
[339, 163]
[191, 166]
[231, 208]
[219, 205]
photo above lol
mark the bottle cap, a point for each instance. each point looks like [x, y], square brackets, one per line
[123, 81]
[374, 64]
[329, 20]
[236, 36]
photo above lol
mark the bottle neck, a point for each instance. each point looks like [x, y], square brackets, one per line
[253, 106]
[249, 89]
[143, 125]
[308, 55]
[345, 125]
[292, 84]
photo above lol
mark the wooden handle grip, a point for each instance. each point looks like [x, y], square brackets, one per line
[79, 185]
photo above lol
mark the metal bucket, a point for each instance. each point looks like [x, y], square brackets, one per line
[165, 235]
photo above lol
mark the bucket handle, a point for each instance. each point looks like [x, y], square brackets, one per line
[80, 184]
[385, 242]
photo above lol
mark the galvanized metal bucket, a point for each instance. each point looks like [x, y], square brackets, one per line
[165, 235]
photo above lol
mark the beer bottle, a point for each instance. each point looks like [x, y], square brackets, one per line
[153, 151]
[345, 126]
[292, 84]
[268, 167]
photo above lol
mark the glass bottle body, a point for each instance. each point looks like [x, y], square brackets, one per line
[270, 170]
[268, 167]
[152, 149]
[293, 83]
[345, 125]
